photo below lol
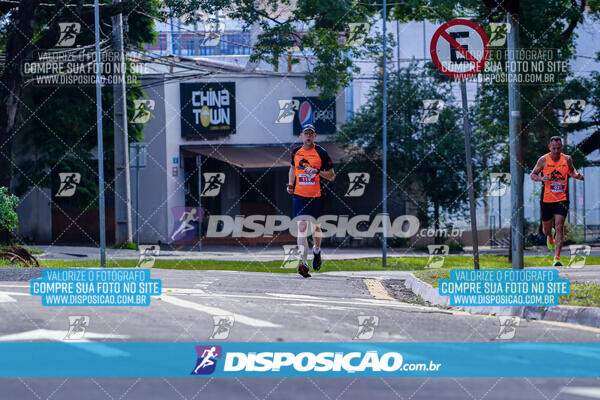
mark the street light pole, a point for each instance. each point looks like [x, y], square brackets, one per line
[469, 159]
[122, 181]
[99, 131]
[384, 144]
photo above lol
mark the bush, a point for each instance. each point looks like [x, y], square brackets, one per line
[9, 221]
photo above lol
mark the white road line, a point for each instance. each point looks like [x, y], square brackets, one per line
[328, 307]
[295, 296]
[58, 335]
[5, 298]
[242, 319]
[348, 301]
[13, 285]
[182, 291]
[377, 290]
[16, 293]
[593, 392]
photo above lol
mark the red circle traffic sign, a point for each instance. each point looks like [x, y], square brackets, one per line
[460, 60]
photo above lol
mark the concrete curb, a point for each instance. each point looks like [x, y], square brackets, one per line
[588, 316]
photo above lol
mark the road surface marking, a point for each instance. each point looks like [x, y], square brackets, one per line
[328, 307]
[377, 290]
[593, 392]
[364, 302]
[182, 291]
[5, 298]
[52, 334]
[295, 296]
[242, 319]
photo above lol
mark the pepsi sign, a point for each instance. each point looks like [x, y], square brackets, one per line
[320, 113]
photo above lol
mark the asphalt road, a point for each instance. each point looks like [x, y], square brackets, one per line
[274, 307]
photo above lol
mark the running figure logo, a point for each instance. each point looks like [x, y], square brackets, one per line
[68, 33]
[287, 110]
[77, 327]
[366, 327]
[437, 255]
[291, 255]
[499, 33]
[186, 224]
[142, 108]
[573, 111]
[358, 183]
[68, 183]
[207, 359]
[148, 254]
[431, 111]
[213, 32]
[508, 327]
[223, 324]
[579, 253]
[212, 183]
[499, 182]
[357, 33]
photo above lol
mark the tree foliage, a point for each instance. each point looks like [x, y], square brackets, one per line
[541, 104]
[9, 221]
[426, 162]
[54, 128]
[320, 29]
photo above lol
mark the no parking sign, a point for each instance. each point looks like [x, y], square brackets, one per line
[460, 48]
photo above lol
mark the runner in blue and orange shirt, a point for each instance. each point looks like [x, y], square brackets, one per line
[310, 163]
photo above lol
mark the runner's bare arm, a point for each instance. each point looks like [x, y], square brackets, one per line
[329, 174]
[572, 171]
[291, 178]
[539, 166]
[291, 175]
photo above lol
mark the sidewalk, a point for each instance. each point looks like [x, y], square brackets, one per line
[589, 316]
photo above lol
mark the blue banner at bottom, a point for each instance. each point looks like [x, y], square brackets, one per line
[341, 359]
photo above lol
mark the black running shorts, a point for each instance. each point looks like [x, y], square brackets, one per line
[549, 209]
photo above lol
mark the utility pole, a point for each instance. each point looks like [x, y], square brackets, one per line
[384, 144]
[122, 181]
[469, 162]
[196, 41]
[516, 156]
[102, 209]
[398, 42]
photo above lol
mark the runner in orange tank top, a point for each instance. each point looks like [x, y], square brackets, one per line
[310, 163]
[556, 168]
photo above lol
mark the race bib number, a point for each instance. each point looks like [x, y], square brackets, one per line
[306, 179]
[557, 187]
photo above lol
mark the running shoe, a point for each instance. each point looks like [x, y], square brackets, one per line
[316, 264]
[557, 263]
[303, 270]
[550, 241]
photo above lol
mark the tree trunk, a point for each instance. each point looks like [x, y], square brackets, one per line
[11, 83]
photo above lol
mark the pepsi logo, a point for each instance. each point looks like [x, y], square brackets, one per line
[305, 115]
